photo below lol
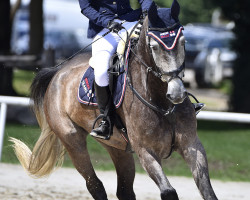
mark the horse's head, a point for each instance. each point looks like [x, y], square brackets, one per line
[167, 46]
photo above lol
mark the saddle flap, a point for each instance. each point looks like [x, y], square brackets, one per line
[86, 93]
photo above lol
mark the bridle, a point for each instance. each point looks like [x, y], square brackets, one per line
[159, 73]
[169, 113]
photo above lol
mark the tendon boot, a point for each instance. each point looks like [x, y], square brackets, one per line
[104, 100]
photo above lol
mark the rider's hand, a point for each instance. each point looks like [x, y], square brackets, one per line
[114, 26]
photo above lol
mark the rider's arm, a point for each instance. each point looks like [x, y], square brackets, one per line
[93, 15]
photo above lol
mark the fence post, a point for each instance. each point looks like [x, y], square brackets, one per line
[2, 125]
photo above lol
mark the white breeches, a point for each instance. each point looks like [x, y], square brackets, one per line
[103, 49]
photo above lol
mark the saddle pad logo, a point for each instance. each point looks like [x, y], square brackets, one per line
[85, 85]
[168, 34]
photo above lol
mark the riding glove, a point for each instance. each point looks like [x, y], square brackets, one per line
[114, 26]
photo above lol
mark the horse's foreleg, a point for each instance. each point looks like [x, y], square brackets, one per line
[153, 167]
[75, 142]
[195, 156]
[125, 169]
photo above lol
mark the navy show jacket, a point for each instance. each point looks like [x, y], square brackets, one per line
[100, 12]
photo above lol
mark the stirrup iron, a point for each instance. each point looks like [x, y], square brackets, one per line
[107, 119]
[197, 106]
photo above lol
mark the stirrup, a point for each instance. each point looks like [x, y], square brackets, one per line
[107, 119]
[198, 107]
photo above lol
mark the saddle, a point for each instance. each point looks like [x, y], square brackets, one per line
[86, 91]
[117, 79]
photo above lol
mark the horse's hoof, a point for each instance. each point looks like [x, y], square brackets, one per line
[169, 195]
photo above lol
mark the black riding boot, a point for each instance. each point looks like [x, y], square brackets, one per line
[105, 128]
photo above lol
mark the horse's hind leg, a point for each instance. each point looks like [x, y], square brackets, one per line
[74, 139]
[195, 155]
[125, 169]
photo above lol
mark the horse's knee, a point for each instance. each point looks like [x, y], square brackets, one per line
[169, 195]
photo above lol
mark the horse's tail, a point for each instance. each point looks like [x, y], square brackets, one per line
[48, 151]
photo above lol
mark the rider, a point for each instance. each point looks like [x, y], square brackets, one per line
[104, 16]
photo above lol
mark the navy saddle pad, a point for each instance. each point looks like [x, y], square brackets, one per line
[86, 94]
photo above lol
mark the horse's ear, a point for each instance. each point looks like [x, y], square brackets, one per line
[152, 13]
[175, 10]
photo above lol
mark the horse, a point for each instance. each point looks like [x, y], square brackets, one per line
[65, 123]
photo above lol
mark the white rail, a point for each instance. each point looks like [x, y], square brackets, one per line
[203, 115]
[224, 116]
[4, 102]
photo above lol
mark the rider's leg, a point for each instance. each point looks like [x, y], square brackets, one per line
[105, 105]
[102, 50]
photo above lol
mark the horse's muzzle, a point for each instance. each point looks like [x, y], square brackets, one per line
[176, 91]
[178, 99]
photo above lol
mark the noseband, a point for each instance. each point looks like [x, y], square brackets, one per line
[172, 74]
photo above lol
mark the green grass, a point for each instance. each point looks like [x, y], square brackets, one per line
[226, 144]
[228, 151]
[226, 86]
[227, 147]
[22, 80]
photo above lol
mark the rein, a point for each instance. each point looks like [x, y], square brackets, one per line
[145, 102]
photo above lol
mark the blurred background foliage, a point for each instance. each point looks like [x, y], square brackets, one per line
[191, 11]
[238, 12]
[235, 11]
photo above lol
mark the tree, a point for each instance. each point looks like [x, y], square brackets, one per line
[36, 37]
[191, 10]
[6, 74]
[238, 11]
[36, 27]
